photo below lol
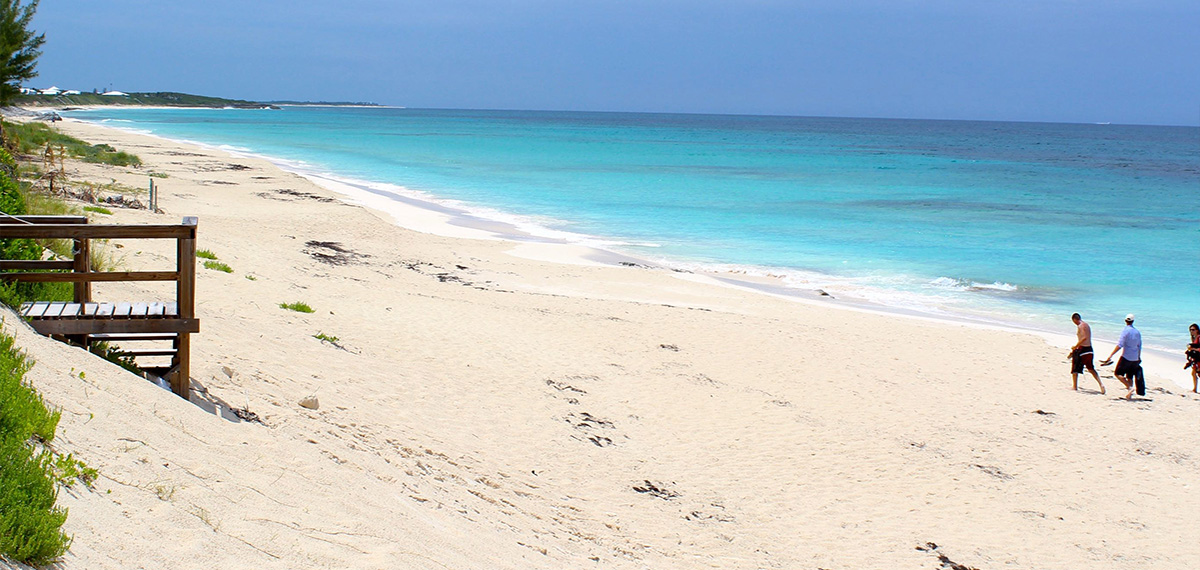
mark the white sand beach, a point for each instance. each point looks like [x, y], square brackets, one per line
[491, 405]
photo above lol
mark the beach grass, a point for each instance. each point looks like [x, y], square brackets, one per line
[98, 210]
[218, 266]
[205, 254]
[32, 137]
[299, 307]
[30, 523]
[326, 338]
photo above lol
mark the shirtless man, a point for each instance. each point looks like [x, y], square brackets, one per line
[1081, 353]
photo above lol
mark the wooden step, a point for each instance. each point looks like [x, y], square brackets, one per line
[121, 337]
[147, 351]
[123, 310]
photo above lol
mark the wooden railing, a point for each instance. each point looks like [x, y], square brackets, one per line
[85, 321]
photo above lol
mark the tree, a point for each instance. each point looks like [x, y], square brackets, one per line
[18, 47]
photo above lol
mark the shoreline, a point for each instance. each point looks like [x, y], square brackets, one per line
[482, 410]
[419, 211]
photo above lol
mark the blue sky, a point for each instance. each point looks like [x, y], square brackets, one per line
[1130, 61]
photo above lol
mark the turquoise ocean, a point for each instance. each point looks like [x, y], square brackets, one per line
[1016, 223]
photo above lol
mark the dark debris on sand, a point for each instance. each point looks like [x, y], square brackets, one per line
[659, 490]
[246, 415]
[331, 252]
[288, 195]
[947, 563]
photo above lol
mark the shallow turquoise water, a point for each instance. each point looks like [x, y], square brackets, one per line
[1016, 222]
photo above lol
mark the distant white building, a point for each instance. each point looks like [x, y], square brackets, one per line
[28, 91]
[51, 91]
[72, 92]
[115, 94]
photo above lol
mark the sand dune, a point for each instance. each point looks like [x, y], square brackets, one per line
[483, 409]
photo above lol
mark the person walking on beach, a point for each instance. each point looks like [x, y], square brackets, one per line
[1081, 354]
[1129, 368]
[1193, 355]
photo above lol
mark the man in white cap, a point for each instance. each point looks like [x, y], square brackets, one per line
[1129, 368]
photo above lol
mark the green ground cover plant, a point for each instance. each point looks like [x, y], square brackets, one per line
[98, 210]
[30, 523]
[206, 254]
[297, 306]
[326, 338]
[218, 266]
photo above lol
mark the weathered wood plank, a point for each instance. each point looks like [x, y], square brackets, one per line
[34, 264]
[96, 326]
[120, 337]
[54, 310]
[148, 351]
[92, 277]
[139, 310]
[122, 309]
[156, 309]
[88, 231]
[71, 310]
[171, 309]
[34, 310]
[24, 220]
[90, 309]
[104, 310]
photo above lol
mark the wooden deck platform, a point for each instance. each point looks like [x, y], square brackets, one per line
[85, 322]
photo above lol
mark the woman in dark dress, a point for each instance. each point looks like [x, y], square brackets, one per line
[1193, 355]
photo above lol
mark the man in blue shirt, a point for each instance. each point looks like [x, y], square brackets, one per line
[1129, 368]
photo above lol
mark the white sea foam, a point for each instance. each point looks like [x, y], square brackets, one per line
[969, 285]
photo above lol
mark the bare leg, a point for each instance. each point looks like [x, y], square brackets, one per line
[1074, 381]
[1097, 377]
[1195, 378]
[1128, 384]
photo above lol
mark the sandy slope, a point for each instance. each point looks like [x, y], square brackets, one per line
[485, 410]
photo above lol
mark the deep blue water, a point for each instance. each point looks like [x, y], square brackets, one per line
[1017, 222]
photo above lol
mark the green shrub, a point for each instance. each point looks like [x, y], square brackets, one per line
[8, 164]
[206, 254]
[298, 307]
[14, 202]
[24, 411]
[30, 524]
[326, 338]
[218, 266]
[98, 210]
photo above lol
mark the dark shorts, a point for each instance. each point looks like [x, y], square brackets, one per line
[1128, 368]
[1082, 358]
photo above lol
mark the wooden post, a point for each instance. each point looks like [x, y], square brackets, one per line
[185, 298]
[82, 263]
